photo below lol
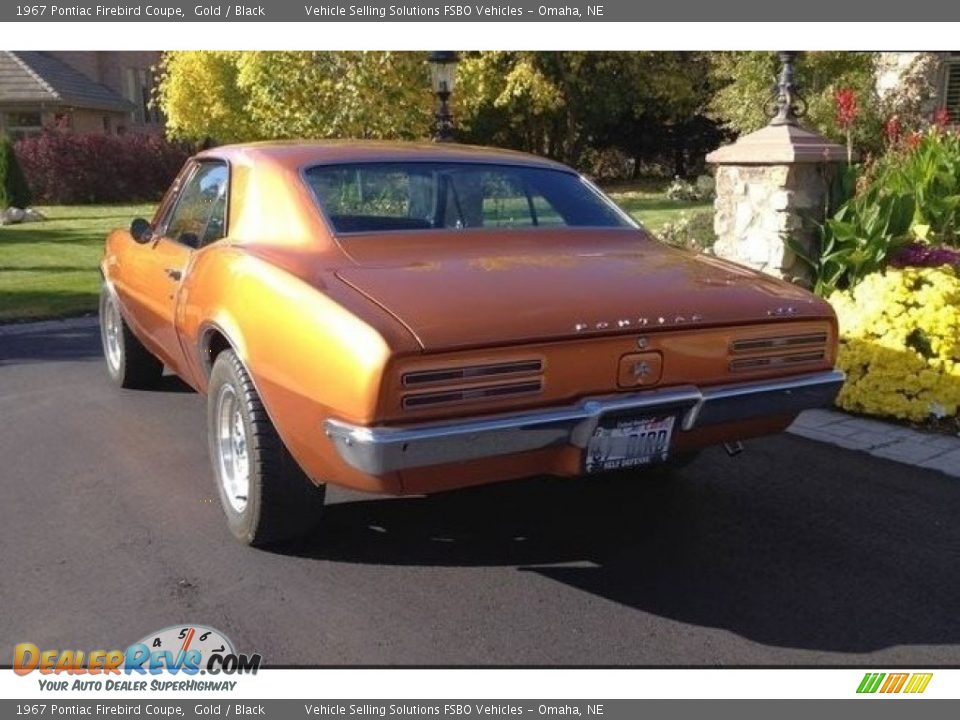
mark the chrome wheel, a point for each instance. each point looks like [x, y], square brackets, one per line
[112, 335]
[232, 449]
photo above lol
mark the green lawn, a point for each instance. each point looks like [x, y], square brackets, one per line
[49, 269]
[650, 207]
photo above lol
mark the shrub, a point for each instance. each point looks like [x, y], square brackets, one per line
[693, 232]
[681, 190]
[926, 166]
[14, 190]
[68, 168]
[859, 238]
[706, 187]
[900, 343]
[911, 194]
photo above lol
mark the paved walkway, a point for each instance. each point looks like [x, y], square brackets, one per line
[881, 439]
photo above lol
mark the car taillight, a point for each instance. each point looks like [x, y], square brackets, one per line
[778, 351]
[471, 383]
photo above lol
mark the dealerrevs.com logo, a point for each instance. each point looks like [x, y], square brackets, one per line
[889, 683]
[177, 650]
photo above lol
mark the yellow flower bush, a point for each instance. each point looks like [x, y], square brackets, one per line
[900, 343]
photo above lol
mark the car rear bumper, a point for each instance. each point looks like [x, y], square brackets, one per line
[379, 450]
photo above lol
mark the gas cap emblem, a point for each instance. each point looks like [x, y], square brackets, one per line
[641, 370]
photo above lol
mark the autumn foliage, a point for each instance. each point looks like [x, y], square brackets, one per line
[67, 168]
[231, 96]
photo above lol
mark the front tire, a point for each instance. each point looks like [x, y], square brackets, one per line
[265, 495]
[129, 363]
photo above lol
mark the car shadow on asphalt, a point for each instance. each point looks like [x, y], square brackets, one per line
[834, 551]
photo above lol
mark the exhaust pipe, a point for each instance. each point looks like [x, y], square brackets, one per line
[733, 448]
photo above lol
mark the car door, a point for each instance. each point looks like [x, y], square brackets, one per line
[155, 273]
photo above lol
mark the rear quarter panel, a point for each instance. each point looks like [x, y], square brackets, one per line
[308, 355]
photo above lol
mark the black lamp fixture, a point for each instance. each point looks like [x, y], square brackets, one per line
[786, 106]
[443, 73]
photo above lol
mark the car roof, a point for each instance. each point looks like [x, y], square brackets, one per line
[297, 154]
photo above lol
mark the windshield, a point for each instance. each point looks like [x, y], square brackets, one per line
[378, 197]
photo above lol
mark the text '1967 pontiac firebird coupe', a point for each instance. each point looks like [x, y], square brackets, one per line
[411, 318]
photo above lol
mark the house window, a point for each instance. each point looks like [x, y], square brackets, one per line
[20, 124]
[139, 91]
[951, 87]
[62, 121]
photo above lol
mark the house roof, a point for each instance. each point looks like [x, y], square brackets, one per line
[36, 77]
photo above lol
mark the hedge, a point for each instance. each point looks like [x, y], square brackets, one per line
[14, 190]
[67, 168]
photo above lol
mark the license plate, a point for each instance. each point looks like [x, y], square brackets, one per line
[626, 443]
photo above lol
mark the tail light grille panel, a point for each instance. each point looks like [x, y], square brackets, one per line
[471, 394]
[441, 386]
[421, 378]
[780, 342]
[773, 361]
[778, 351]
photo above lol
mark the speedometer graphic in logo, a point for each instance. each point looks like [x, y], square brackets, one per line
[179, 647]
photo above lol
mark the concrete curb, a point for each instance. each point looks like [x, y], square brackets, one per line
[881, 439]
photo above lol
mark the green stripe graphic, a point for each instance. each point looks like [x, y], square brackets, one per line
[871, 682]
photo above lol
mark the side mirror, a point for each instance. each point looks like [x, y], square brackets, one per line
[141, 231]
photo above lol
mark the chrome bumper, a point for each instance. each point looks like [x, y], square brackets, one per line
[378, 450]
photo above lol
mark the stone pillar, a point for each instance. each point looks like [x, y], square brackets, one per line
[770, 184]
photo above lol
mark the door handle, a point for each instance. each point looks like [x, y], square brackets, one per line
[173, 273]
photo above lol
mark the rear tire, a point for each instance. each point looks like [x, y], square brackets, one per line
[129, 363]
[265, 495]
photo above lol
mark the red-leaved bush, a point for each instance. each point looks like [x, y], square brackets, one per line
[66, 168]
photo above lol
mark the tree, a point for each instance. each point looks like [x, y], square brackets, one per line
[745, 82]
[199, 94]
[14, 191]
[571, 106]
[564, 104]
[243, 96]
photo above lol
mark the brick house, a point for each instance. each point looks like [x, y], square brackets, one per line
[102, 91]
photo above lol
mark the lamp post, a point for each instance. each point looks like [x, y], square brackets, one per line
[786, 106]
[443, 72]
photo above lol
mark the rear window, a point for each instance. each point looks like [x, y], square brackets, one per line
[383, 197]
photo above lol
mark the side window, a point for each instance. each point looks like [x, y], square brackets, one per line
[199, 215]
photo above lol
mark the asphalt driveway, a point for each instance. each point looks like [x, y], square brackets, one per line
[795, 552]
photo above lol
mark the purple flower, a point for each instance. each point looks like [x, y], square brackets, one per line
[919, 255]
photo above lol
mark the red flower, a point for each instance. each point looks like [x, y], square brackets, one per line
[845, 100]
[913, 139]
[941, 118]
[892, 129]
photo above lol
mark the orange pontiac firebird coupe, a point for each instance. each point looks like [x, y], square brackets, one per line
[407, 318]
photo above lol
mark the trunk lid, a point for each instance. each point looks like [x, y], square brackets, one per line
[463, 289]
